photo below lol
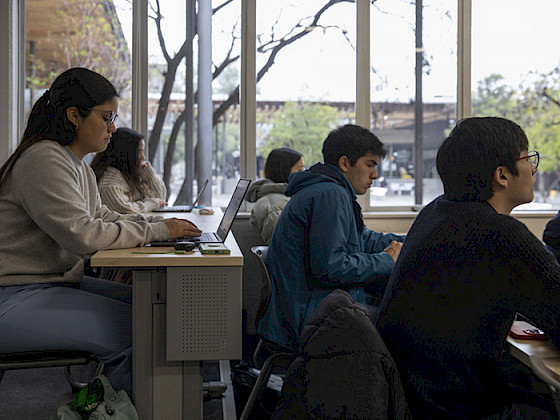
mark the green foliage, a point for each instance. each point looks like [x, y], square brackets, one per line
[493, 98]
[302, 126]
[89, 41]
[544, 133]
[535, 107]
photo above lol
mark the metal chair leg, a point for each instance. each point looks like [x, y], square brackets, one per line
[262, 381]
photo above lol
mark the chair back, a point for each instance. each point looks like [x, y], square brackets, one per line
[246, 237]
[260, 252]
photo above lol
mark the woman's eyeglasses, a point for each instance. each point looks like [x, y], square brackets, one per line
[533, 157]
[110, 117]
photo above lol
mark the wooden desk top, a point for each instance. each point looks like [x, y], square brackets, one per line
[545, 350]
[166, 257]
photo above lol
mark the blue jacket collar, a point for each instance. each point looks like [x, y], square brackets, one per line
[336, 174]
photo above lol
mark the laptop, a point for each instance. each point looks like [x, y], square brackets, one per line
[225, 225]
[185, 208]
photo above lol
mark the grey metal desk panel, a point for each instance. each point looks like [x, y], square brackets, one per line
[185, 309]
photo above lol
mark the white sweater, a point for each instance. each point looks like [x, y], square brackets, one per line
[51, 217]
[117, 195]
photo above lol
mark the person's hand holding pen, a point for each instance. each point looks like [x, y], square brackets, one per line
[181, 227]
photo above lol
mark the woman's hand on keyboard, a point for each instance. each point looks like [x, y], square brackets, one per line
[181, 227]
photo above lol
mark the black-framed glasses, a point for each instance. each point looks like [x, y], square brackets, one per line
[110, 117]
[533, 157]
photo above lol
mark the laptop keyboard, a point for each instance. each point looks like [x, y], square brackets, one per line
[205, 237]
[175, 208]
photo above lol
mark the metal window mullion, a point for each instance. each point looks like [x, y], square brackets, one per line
[140, 67]
[464, 59]
[363, 64]
[248, 90]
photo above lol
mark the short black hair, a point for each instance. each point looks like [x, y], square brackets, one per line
[467, 159]
[353, 142]
[279, 163]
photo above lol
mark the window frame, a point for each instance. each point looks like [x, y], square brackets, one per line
[15, 12]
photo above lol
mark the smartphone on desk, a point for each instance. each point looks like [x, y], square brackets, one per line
[522, 330]
[213, 248]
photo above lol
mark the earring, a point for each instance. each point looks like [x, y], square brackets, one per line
[76, 127]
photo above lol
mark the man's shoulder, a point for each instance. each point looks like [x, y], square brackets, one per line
[320, 194]
[468, 220]
[322, 187]
[317, 198]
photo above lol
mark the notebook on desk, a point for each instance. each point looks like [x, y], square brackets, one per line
[185, 208]
[225, 225]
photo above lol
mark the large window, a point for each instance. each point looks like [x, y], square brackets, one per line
[61, 34]
[305, 80]
[306, 66]
[515, 74]
[182, 91]
[394, 95]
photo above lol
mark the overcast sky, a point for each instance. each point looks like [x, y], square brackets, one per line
[510, 37]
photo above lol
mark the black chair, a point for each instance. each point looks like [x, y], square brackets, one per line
[274, 354]
[50, 358]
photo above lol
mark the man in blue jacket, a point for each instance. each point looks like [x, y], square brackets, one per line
[320, 242]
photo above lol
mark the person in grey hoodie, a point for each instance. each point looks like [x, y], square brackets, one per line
[52, 219]
[268, 193]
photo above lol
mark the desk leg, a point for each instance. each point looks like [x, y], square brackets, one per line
[142, 343]
[192, 391]
[167, 376]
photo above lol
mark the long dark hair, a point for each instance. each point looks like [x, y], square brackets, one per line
[279, 163]
[122, 154]
[79, 87]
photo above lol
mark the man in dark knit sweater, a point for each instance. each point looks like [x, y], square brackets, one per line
[465, 269]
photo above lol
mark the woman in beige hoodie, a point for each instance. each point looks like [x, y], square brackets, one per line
[268, 193]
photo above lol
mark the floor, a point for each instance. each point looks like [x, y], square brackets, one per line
[33, 394]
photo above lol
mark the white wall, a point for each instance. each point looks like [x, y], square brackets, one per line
[401, 222]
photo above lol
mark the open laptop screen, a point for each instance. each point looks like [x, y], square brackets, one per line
[233, 208]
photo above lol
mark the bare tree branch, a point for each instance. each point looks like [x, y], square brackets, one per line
[168, 162]
[550, 98]
[155, 135]
[221, 6]
[228, 59]
[161, 39]
[272, 47]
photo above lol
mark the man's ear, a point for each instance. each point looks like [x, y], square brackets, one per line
[344, 163]
[501, 177]
[73, 115]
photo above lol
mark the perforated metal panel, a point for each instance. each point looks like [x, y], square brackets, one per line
[203, 313]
